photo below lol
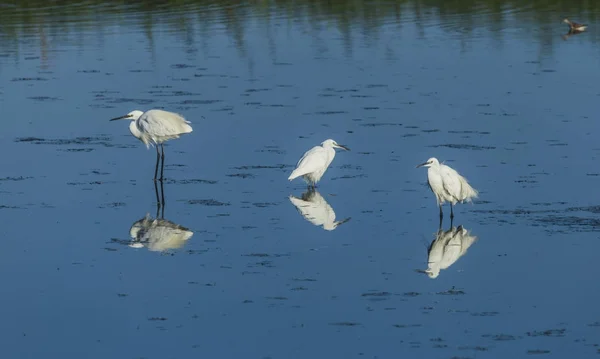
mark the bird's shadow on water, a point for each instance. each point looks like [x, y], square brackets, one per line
[315, 209]
[157, 234]
[447, 248]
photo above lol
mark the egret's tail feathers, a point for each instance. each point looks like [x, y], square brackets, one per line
[186, 128]
[468, 192]
[295, 174]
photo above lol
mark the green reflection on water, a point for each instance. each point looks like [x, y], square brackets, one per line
[38, 22]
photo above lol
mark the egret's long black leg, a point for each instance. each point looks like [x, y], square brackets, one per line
[451, 211]
[157, 160]
[162, 168]
[441, 213]
[440, 226]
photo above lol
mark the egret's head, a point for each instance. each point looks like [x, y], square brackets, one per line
[331, 143]
[430, 162]
[566, 21]
[133, 115]
[433, 273]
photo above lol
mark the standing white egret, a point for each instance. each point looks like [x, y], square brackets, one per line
[154, 127]
[447, 185]
[315, 162]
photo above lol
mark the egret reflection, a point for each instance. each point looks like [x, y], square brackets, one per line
[447, 247]
[315, 209]
[158, 234]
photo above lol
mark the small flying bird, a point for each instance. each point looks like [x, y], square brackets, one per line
[154, 127]
[315, 162]
[315, 209]
[447, 185]
[575, 27]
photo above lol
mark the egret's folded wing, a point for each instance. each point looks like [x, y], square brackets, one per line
[163, 123]
[313, 160]
[451, 182]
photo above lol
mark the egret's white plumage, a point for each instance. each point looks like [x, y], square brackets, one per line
[154, 127]
[158, 235]
[447, 247]
[447, 184]
[315, 209]
[315, 162]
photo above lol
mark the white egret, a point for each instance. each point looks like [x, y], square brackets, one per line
[315, 162]
[154, 127]
[447, 247]
[447, 185]
[315, 209]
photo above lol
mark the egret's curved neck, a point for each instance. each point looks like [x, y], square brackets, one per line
[134, 130]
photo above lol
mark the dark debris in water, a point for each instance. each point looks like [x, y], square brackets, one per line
[452, 291]
[264, 204]
[260, 167]
[485, 314]
[500, 337]
[402, 326]
[113, 205]
[349, 177]
[380, 124]
[537, 351]
[465, 147]
[207, 202]
[345, 324]
[376, 296]
[84, 183]
[191, 181]
[241, 175]
[20, 178]
[331, 112]
[44, 98]
[548, 333]
[475, 348]
[96, 140]
[265, 255]
[16, 79]
[411, 294]
[77, 150]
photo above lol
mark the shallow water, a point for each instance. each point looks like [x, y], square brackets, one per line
[494, 90]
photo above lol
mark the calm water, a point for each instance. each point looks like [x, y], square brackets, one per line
[494, 90]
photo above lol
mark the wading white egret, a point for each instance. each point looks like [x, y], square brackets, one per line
[447, 185]
[315, 209]
[315, 161]
[447, 247]
[154, 127]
